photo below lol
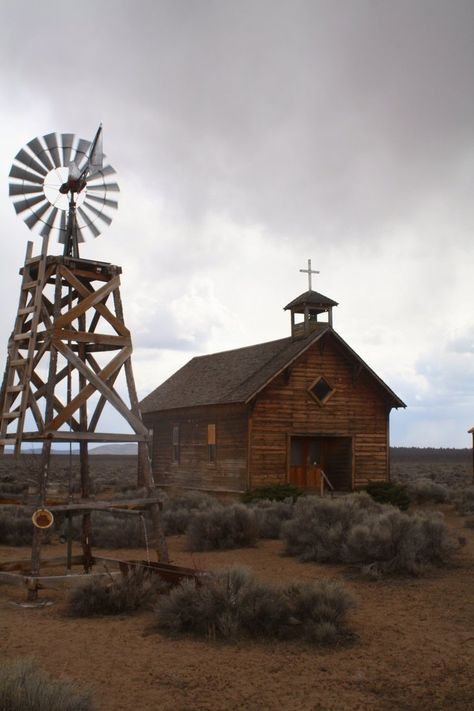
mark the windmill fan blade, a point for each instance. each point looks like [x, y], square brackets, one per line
[22, 174]
[97, 212]
[23, 205]
[81, 152]
[35, 217]
[106, 170]
[23, 157]
[52, 143]
[40, 152]
[103, 201]
[49, 223]
[88, 223]
[67, 140]
[22, 189]
[62, 228]
[108, 187]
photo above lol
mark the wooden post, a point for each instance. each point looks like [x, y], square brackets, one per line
[144, 470]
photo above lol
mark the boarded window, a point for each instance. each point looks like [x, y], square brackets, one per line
[211, 443]
[321, 390]
[175, 443]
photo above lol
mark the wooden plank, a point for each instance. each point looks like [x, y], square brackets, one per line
[87, 303]
[87, 337]
[117, 324]
[97, 382]
[85, 436]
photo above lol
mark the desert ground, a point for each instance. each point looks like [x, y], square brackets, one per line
[413, 644]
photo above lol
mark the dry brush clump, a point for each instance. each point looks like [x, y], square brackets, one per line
[464, 501]
[16, 527]
[25, 687]
[115, 595]
[271, 515]
[232, 604]
[357, 530]
[222, 528]
[424, 491]
[179, 511]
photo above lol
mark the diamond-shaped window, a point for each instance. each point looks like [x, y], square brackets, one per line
[321, 390]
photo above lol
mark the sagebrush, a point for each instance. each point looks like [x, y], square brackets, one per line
[271, 515]
[355, 529]
[25, 687]
[227, 527]
[114, 595]
[180, 510]
[231, 604]
[427, 491]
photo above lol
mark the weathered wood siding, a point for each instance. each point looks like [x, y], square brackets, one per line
[357, 409]
[229, 471]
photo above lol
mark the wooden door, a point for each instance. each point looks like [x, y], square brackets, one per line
[305, 464]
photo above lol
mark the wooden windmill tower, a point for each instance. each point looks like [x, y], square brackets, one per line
[70, 342]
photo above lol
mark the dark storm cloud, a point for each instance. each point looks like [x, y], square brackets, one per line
[328, 118]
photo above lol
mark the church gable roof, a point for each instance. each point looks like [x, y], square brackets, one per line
[237, 376]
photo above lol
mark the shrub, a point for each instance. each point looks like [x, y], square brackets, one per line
[465, 501]
[222, 528]
[352, 530]
[16, 527]
[231, 603]
[179, 511]
[385, 492]
[114, 596]
[25, 687]
[427, 490]
[271, 515]
[113, 530]
[275, 492]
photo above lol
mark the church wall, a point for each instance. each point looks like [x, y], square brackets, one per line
[228, 473]
[356, 409]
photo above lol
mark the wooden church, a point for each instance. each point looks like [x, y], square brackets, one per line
[299, 409]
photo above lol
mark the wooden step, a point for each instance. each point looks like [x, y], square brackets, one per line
[26, 310]
[22, 336]
[11, 415]
[4, 442]
[18, 361]
[30, 284]
[15, 388]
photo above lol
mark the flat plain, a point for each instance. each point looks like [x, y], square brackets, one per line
[413, 645]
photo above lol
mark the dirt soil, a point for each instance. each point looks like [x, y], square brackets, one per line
[414, 645]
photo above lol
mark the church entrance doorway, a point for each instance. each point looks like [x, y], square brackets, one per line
[310, 455]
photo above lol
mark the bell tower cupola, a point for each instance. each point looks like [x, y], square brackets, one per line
[307, 309]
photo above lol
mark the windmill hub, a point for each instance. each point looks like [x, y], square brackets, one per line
[59, 184]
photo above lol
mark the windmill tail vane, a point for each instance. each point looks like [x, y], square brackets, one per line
[59, 184]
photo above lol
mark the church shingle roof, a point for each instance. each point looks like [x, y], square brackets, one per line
[236, 376]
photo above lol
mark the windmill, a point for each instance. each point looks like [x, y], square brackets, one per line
[70, 342]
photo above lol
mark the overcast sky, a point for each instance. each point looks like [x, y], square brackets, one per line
[249, 136]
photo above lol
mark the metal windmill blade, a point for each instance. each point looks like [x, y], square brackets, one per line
[39, 174]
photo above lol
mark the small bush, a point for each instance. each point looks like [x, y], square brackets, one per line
[385, 492]
[356, 529]
[179, 511]
[16, 527]
[426, 490]
[231, 603]
[464, 501]
[275, 492]
[25, 687]
[271, 515]
[223, 528]
[114, 596]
